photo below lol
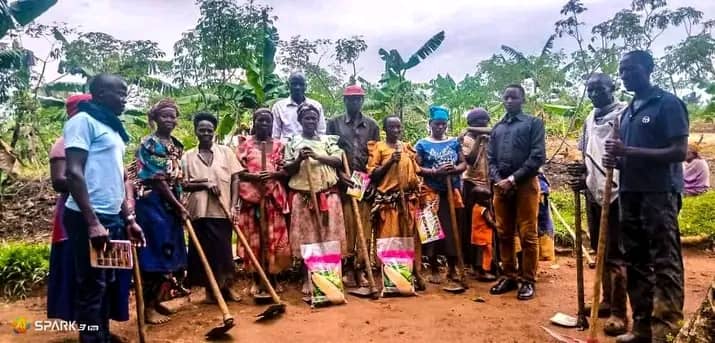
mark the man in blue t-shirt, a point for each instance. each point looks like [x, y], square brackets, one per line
[96, 210]
[649, 154]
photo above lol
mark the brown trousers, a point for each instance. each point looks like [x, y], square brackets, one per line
[517, 213]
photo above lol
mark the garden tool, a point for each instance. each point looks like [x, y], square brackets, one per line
[316, 208]
[582, 322]
[406, 221]
[263, 230]
[228, 321]
[361, 291]
[461, 285]
[602, 241]
[139, 296]
[279, 307]
[584, 251]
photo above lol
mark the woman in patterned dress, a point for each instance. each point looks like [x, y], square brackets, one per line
[258, 186]
[155, 179]
[312, 158]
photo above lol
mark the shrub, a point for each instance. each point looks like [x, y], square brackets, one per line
[562, 199]
[22, 267]
[696, 218]
[698, 215]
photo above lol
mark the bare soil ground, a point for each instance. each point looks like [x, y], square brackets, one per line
[433, 316]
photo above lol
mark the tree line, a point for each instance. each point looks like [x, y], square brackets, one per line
[233, 61]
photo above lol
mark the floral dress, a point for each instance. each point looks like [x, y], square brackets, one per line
[275, 199]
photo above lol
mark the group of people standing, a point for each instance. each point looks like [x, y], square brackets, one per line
[293, 170]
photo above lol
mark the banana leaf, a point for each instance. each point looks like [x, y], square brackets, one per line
[559, 110]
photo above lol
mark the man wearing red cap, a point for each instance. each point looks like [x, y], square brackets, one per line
[355, 130]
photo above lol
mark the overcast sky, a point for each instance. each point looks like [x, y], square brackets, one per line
[474, 29]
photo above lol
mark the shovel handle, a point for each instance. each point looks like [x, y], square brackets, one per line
[579, 260]
[407, 221]
[361, 233]
[263, 221]
[455, 229]
[262, 273]
[209, 273]
[314, 199]
[139, 296]
[602, 241]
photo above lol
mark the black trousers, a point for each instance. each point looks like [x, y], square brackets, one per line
[95, 287]
[614, 275]
[654, 262]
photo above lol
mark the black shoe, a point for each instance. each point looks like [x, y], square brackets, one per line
[526, 291]
[503, 286]
[631, 338]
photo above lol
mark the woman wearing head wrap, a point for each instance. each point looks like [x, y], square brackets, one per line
[314, 156]
[60, 284]
[393, 170]
[154, 180]
[261, 185]
[696, 172]
[439, 157]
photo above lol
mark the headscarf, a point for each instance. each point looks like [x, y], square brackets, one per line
[162, 104]
[438, 113]
[261, 110]
[302, 109]
[72, 103]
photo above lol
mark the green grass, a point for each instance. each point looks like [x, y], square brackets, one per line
[696, 218]
[698, 215]
[563, 201]
[22, 267]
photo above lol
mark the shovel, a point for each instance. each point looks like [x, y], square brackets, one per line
[459, 287]
[361, 291]
[582, 321]
[228, 322]
[263, 232]
[139, 296]
[406, 220]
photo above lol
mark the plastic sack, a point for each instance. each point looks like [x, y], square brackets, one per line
[428, 225]
[397, 255]
[326, 280]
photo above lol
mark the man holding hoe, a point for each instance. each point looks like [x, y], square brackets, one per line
[649, 152]
[590, 175]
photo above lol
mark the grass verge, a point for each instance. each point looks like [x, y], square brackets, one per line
[23, 266]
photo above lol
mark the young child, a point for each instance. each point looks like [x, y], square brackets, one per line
[546, 225]
[483, 227]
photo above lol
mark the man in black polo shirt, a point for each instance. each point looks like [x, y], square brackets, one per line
[652, 145]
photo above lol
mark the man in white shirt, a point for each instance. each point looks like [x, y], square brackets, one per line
[285, 121]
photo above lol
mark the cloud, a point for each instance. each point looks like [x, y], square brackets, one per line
[474, 29]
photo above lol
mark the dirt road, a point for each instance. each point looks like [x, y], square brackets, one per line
[430, 317]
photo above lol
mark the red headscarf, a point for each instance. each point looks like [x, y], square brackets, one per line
[73, 101]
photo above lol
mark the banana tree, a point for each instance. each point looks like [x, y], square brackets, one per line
[261, 85]
[395, 89]
[22, 12]
[546, 69]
